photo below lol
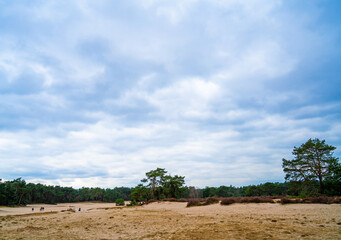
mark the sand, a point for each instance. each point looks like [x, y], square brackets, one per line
[85, 207]
[167, 220]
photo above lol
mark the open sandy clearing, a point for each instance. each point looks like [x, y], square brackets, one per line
[84, 207]
[174, 221]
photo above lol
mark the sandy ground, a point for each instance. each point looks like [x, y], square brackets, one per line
[174, 221]
[84, 207]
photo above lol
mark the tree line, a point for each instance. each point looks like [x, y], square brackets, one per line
[314, 171]
[18, 192]
[159, 185]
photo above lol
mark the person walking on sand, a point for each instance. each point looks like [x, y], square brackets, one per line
[32, 209]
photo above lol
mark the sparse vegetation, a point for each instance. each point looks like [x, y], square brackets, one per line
[211, 200]
[150, 222]
[193, 202]
[227, 201]
[202, 202]
[319, 199]
[261, 199]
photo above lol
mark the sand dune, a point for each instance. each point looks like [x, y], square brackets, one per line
[167, 220]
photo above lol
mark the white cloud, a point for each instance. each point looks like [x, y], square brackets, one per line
[188, 98]
[197, 87]
[109, 150]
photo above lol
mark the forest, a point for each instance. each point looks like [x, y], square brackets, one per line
[314, 171]
[18, 192]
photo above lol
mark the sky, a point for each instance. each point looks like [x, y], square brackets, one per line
[97, 93]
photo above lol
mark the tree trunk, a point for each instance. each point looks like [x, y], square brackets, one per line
[321, 185]
[21, 198]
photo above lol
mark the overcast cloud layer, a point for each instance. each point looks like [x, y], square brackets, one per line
[96, 93]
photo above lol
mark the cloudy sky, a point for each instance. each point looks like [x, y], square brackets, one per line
[96, 93]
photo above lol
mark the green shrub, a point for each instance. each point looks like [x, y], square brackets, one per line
[132, 203]
[120, 202]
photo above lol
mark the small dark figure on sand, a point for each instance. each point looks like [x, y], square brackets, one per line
[32, 209]
[79, 209]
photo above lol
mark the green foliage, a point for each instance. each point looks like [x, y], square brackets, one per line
[303, 189]
[160, 185]
[265, 189]
[333, 180]
[191, 192]
[173, 186]
[140, 194]
[156, 180]
[13, 192]
[119, 202]
[224, 191]
[132, 203]
[209, 192]
[313, 162]
[17, 192]
[313, 171]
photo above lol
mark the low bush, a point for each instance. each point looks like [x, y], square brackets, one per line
[151, 201]
[193, 202]
[254, 200]
[244, 200]
[286, 200]
[322, 200]
[262, 199]
[119, 202]
[227, 201]
[176, 199]
[237, 199]
[211, 200]
[202, 202]
[170, 199]
[132, 203]
[318, 200]
[267, 199]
